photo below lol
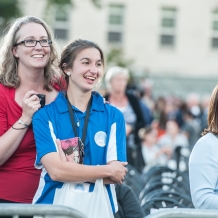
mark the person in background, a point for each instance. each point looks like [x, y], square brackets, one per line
[203, 162]
[116, 80]
[171, 140]
[147, 98]
[147, 113]
[193, 104]
[79, 119]
[27, 68]
[160, 115]
[204, 108]
[128, 203]
[152, 154]
[191, 128]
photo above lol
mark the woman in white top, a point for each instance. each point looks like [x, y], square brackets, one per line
[127, 102]
[203, 162]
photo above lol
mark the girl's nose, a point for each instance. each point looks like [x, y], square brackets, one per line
[93, 69]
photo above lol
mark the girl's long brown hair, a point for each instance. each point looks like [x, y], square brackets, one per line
[212, 118]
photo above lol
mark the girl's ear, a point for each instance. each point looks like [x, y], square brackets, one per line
[66, 71]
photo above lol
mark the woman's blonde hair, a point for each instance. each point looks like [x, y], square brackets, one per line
[212, 117]
[8, 63]
[113, 71]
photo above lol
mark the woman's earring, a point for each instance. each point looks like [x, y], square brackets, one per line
[68, 73]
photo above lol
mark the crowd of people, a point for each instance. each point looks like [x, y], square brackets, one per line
[155, 127]
[103, 131]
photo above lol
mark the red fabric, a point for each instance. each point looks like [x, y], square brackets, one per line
[161, 132]
[18, 177]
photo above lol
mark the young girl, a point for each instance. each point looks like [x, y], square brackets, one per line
[80, 116]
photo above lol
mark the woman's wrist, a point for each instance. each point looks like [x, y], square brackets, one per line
[25, 120]
[22, 123]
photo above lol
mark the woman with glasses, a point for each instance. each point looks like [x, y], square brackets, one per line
[91, 132]
[27, 69]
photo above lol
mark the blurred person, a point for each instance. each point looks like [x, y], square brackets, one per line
[147, 98]
[193, 104]
[160, 115]
[172, 139]
[27, 63]
[128, 203]
[170, 109]
[152, 154]
[203, 162]
[204, 108]
[147, 113]
[191, 128]
[80, 115]
[116, 80]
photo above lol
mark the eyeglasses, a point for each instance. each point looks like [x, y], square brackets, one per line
[32, 42]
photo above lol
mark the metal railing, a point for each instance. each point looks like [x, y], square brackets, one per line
[184, 213]
[39, 210]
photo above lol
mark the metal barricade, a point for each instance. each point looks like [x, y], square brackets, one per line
[39, 211]
[184, 213]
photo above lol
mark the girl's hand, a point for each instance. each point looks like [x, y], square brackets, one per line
[118, 171]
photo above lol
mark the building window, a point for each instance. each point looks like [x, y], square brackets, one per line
[61, 24]
[115, 24]
[61, 33]
[61, 15]
[214, 37]
[167, 40]
[114, 37]
[168, 27]
[215, 42]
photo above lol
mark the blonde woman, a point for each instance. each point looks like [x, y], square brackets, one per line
[27, 62]
[116, 80]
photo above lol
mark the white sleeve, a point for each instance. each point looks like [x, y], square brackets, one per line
[203, 173]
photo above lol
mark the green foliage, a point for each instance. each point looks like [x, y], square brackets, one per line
[59, 3]
[116, 57]
[9, 9]
[97, 3]
[63, 3]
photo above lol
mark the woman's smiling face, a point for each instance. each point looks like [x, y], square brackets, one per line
[32, 57]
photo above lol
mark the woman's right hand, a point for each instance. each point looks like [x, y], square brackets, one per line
[30, 104]
[118, 171]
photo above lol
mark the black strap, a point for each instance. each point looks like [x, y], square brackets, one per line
[85, 122]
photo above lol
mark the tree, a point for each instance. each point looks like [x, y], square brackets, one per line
[116, 57]
[63, 3]
[9, 10]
